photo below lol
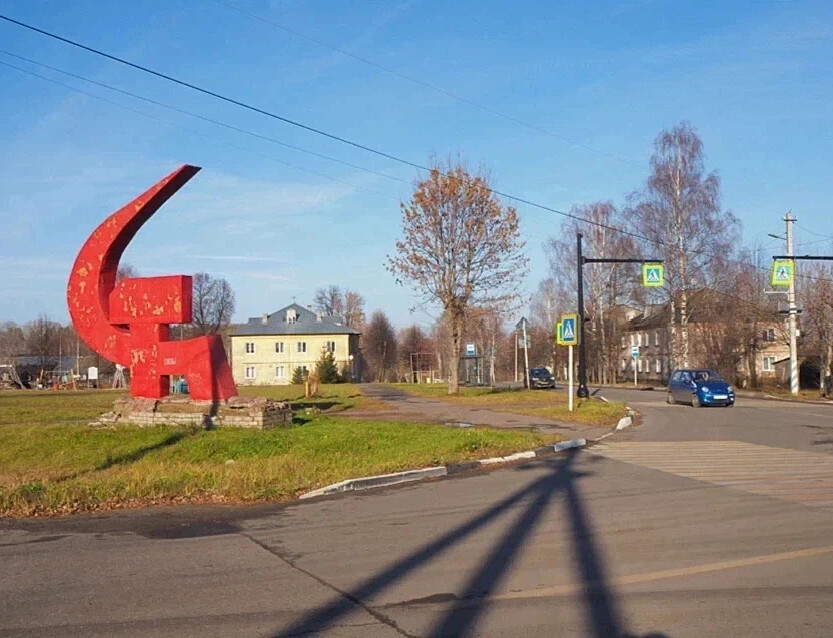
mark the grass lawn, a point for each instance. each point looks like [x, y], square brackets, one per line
[51, 462]
[786, 393]
[541, 403]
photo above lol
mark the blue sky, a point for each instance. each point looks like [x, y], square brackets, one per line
[755, 78]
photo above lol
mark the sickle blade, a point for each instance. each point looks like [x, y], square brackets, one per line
[93, 276]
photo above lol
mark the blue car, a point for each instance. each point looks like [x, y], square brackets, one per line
[700, 388]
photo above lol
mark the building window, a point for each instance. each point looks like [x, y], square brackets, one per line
[639, 365]
[769, 335]
[769, 364]
[302, 346]
[624, 341]
[331, 346]
[250, 372]
[633, 339]
[280, 372]
[659, 366]
[624, 364]
[250, 347]
[279, 347]
[656, 339]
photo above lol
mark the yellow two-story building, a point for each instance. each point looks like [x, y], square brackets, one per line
[266, 350]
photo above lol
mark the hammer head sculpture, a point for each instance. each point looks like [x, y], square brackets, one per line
[129, 322]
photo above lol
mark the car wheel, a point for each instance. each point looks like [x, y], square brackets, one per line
[670, 399]
[695, 402]
[730, 405]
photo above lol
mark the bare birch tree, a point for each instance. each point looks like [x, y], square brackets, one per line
[460, 247]
[348, 304]
[679, 212]
[379, 347]
[42, 337]
[126, 271]
[329, 300]
[213, 304]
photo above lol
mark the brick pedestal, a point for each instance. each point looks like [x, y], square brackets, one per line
[237, 412]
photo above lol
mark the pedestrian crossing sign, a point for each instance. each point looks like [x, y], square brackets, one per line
[653, 275]
[783, 271]
[569, 330]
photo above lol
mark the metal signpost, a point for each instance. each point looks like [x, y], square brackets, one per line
[568, 334]
[653, 276]
[635, 356]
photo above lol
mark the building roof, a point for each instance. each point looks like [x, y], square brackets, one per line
[51, 363]
[704, 306]
[306, 322]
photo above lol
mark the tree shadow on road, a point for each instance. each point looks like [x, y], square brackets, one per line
[601, 607]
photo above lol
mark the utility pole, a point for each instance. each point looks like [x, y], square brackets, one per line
[793, 310]
[526, 355]
[582, 392]
[789, 219]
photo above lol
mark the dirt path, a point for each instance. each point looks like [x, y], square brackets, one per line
[401, 405]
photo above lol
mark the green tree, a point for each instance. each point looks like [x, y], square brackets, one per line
[326, 368]
[299, 375]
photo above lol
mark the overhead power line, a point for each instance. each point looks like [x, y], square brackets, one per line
[205, 119]
[423, 83]
[169, 123]
[346, 141]
[295, 123]
[812, 232]
[176, 109]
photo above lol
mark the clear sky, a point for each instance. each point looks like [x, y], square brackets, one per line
[755, 78]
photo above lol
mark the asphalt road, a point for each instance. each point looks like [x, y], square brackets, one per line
[801, 426]
[696, 523]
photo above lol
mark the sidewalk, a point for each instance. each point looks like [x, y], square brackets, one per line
[412, 408]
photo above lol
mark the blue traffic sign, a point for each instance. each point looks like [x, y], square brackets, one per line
[569, 330]
[635, 351]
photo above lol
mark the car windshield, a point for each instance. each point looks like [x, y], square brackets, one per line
[540, 372]
[704, 376]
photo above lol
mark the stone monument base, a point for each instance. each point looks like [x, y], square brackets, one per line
[236, 412]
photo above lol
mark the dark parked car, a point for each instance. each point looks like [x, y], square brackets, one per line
[541, 378]
[700, 388]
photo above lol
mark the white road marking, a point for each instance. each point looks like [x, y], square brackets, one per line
[791, 475]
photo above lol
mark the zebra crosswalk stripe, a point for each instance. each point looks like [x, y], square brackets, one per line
[792, 475]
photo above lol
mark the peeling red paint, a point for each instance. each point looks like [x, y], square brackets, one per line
[128, 323]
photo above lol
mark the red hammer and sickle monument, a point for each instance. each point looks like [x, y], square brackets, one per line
[128, 322]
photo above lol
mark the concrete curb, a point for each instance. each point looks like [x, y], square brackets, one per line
[382, 480]
[625, 422]
[385, 480]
